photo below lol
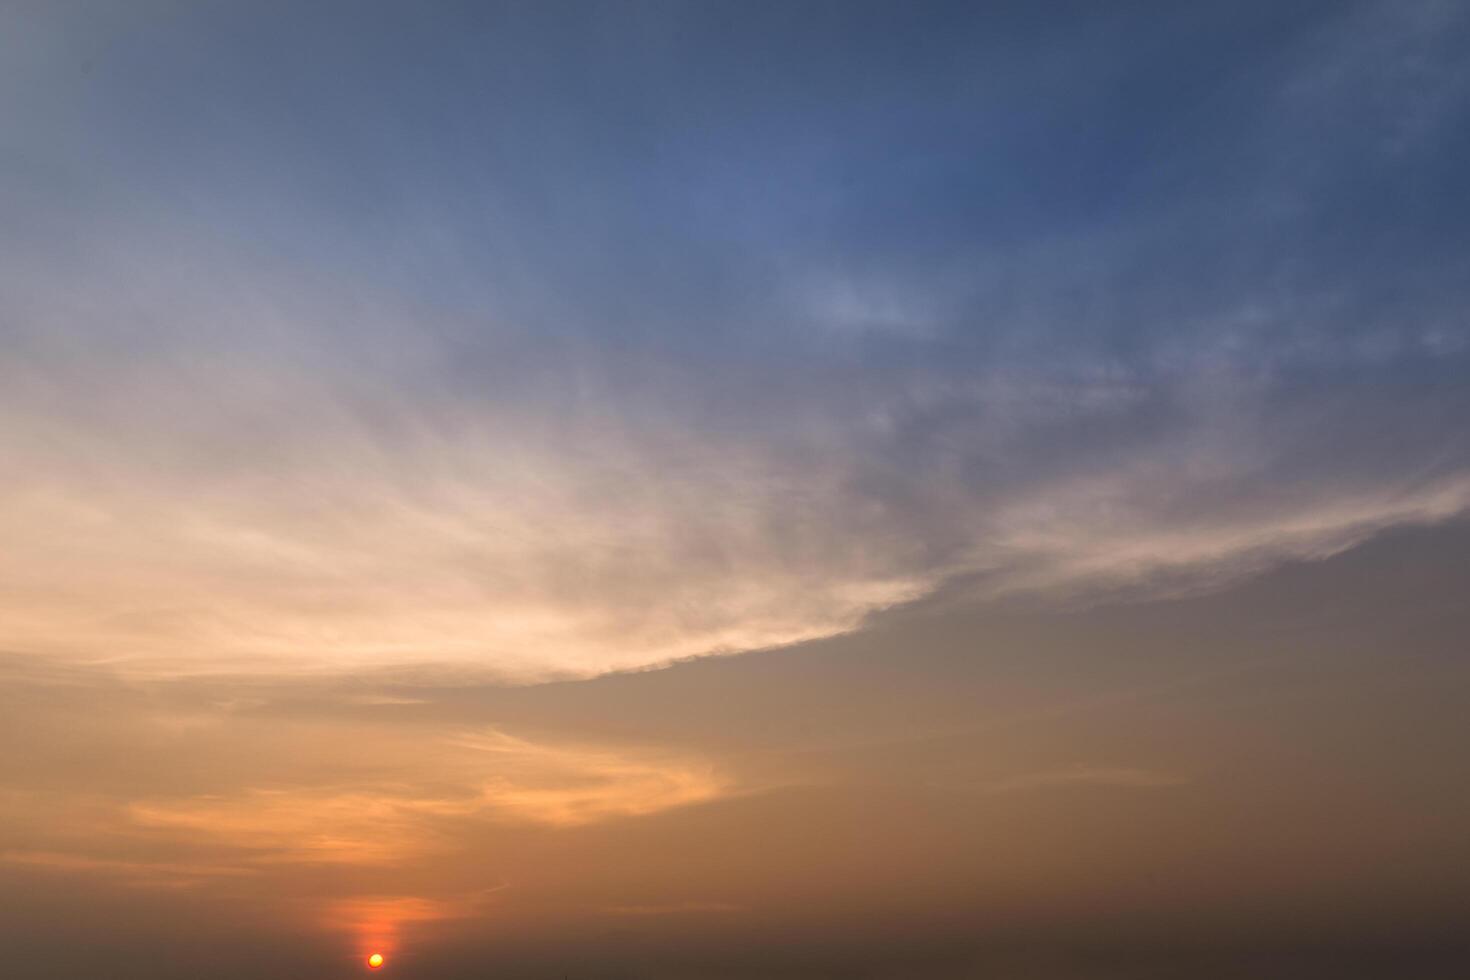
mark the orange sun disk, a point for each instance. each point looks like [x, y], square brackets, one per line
[375, 961]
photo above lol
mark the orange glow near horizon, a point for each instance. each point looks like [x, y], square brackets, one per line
[375, 961]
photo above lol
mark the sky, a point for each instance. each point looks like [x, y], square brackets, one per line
[683, 490]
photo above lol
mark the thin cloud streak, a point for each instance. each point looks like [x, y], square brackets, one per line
[141, 873]
[1120, 777]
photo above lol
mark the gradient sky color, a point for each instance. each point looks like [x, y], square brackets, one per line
[734, 489]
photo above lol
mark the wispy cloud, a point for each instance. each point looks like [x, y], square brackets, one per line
[263, 429]
[566, 786]
[502, 779]
[304, 826]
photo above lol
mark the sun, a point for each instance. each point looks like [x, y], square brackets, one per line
[375, 961]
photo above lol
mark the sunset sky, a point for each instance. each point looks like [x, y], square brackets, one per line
[734, 490]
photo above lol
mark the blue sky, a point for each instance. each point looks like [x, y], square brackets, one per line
[718, 296]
